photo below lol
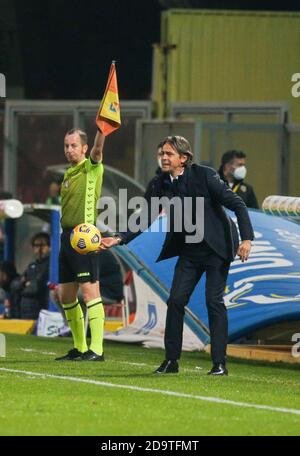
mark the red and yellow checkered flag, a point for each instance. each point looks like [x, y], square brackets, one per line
[108, 118]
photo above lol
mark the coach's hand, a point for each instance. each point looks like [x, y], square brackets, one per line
[244, 250]
[108, 242]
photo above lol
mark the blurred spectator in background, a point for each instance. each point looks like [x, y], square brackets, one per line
[233, 171]
[54, 193]
[9, 296]
[2, 303]
[158, 170]
[33, 284]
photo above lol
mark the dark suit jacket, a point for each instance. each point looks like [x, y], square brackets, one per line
[220, 232]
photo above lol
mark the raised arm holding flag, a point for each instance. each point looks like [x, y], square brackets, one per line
[108, 118]
[80, 191]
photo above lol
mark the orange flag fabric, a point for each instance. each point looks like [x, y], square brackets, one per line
[108, 118]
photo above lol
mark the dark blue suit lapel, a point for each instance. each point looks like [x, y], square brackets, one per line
[190, 179]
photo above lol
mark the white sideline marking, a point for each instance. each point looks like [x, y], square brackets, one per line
[159, 391]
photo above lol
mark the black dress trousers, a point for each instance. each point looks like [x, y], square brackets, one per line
[189, 268]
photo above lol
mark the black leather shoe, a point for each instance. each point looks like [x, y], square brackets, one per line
[72, 355]
[168, 366]
[218, 369]
[90, 356]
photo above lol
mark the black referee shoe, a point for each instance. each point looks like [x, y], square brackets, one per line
[168, 366]
[90, 356]
[72, 355]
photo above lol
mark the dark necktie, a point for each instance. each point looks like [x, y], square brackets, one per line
[175, 187]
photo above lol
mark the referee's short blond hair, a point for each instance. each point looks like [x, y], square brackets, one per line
[82, 134]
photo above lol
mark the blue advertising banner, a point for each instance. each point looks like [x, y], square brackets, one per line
[262, 291]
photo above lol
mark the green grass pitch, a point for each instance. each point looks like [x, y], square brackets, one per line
[122, 397]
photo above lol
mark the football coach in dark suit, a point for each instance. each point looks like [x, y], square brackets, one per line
[213, 254]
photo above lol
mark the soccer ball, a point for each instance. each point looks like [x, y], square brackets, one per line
[85, 238]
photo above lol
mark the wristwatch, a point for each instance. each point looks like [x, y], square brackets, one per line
[119, 239]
